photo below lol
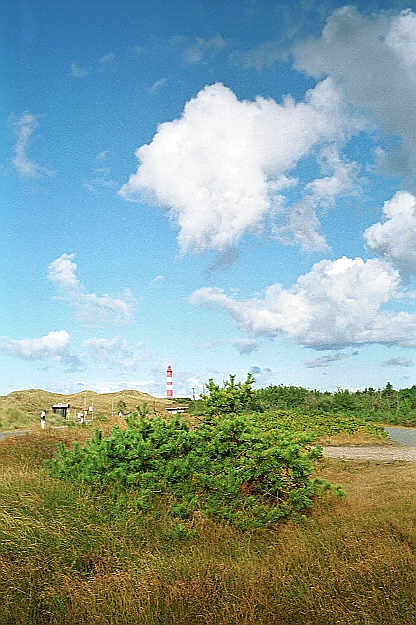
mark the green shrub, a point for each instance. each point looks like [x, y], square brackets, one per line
[232, 469]
[233, 398]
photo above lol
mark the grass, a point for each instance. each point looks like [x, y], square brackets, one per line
[68, 556]
[21, 409]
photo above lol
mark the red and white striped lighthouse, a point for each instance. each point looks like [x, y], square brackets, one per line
[169, 389]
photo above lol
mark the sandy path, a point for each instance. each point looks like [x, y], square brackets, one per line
[376, 453]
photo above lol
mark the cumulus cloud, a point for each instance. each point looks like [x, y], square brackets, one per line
[342, 178]
[90, 307]
[397, 362]
[24, 128]
[337, 303]
[395, 237]
[219, 168]
[62, 271]
[372, 59]
[245, 346]
[54, 345]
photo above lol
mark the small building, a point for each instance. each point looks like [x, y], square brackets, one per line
[60, 409]
[176, 409]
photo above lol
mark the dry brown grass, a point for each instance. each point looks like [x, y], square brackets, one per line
[31, 402]
[68, 557]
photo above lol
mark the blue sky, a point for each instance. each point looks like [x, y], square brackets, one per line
[223, 187]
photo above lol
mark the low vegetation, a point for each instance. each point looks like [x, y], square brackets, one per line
[71, 554]
[21, 409]
[243, 467]
[231, 470]
[218, 518]
[382, 405]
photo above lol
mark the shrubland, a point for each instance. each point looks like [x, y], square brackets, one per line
[240, 466]
[70, 553]
[217, 519]
[387, 405]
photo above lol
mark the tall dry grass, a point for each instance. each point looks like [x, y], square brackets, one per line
[69, 556]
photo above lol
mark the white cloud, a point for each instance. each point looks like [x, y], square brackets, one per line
[372, 59]
[77, 71]
[337, 303]
[63, 270]
[216, 168]
[51, 346]
[245, 346]
[90, 307]
[397, 362]
[342, 178]
[395, 237]
[102, 156]
[302, 227]
[302, 224]
[200, 48]
[24, 127]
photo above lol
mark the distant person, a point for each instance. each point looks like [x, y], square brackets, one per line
[42, 419]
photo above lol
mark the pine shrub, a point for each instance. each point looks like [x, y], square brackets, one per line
[230, 468]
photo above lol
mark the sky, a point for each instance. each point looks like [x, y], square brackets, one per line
[223, 187]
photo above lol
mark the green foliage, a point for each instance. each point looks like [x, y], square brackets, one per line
[232, 469]
[233, 398]
[384, 405]
[318, 425]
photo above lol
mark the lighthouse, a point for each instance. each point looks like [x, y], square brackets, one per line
[169, 389]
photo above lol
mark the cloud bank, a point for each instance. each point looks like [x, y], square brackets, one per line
[337, 303]
[372, 60]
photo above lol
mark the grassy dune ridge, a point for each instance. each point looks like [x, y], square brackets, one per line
[22, 409]
[68, 555]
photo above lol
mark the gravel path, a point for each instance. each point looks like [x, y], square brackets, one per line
[377, 453]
